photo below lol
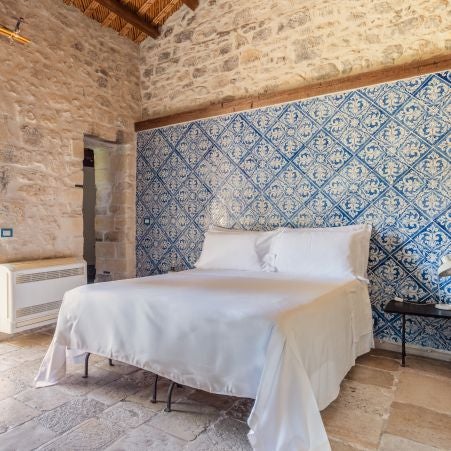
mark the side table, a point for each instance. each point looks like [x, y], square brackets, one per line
[410, 308]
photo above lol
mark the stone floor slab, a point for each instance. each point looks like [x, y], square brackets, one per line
[430, 367]
[35, 340]
[369, 375]
[394, 443]
[93, 434]
[46, 398]
[379, 362]
[357, 416]
[118, 367]
[71, 414]
[225, 435]
[186, 421]
[76, 385]
[26, 437]
[9, 387]
[420, 425]
[7, 347]
[144, 394]
[147, 438]
[113, 392]
[14, 413]
[241, 409]
[221, 402]
[425, 391]
[128, 414]
[23, 373]
[336, 445]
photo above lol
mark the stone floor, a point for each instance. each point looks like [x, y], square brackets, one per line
[381, 406]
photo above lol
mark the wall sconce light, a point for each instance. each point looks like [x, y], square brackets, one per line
[14, 35]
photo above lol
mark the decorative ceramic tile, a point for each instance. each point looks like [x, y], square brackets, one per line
[379, 155]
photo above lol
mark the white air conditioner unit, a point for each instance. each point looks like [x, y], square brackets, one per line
[31, 292]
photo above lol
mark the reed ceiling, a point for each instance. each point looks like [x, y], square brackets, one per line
[134, 19]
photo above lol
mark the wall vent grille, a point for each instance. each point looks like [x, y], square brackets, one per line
[34, 309]
[49, 275]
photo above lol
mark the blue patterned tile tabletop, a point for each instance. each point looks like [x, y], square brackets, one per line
[378, 155]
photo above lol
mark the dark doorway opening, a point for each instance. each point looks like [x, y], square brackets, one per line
[89, 214]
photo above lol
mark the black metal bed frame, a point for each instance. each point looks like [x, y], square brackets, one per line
[153, 400]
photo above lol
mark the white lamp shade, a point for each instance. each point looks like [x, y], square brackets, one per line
[445, 268]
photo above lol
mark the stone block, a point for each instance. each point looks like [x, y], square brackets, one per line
[72, 226]
[230, 63]
[78, 149]
[262, 35]
[104, 223]
[105, 249]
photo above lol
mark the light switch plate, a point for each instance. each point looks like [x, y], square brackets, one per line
[6, 233]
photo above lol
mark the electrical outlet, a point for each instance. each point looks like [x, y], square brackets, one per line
[6, 233]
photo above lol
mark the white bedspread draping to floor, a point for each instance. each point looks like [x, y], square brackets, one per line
[283, 341]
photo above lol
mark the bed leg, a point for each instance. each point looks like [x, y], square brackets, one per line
[110, 361]
[154, 396]
[169, 402]
[86, 365]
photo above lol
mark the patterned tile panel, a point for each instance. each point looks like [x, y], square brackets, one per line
[379, 155]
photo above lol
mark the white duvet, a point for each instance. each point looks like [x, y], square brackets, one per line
[283, 341]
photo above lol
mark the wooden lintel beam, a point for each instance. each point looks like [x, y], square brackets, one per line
[130, 17]
[192, 4]
[350, 82]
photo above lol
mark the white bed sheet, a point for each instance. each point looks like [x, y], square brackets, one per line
[285, 342]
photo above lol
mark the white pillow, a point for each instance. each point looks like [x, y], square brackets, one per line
[236, 249]
[329, 252]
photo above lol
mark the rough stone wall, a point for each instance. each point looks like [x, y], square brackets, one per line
[75, 78]
[229, 49]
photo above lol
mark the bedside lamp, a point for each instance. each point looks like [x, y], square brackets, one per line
[444, 271]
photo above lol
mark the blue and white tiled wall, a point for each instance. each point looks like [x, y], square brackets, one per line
[380, 155]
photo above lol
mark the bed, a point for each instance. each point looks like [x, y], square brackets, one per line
[284, 340]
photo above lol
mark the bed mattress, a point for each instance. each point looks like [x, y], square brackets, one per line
[284, 341]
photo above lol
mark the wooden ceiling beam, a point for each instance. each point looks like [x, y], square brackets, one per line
[129, 16]
[192, 4]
